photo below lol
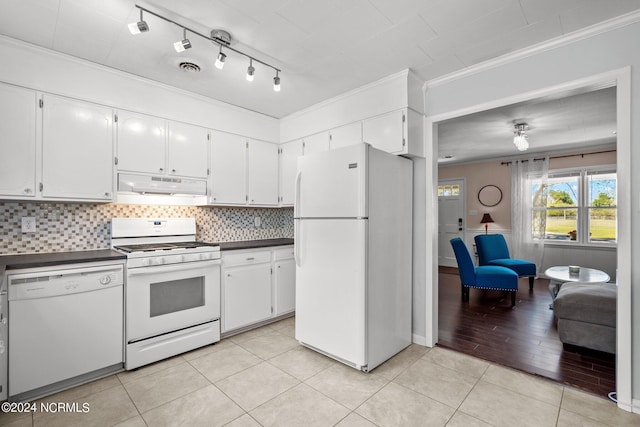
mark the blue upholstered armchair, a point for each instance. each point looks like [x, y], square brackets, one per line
[484, 277]
[492, 250]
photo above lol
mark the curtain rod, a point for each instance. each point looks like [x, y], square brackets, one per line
[565, 155]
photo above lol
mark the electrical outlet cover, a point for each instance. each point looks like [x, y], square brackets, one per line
[257, 221]
[28, 224]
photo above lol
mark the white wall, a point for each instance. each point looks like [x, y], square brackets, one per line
[582, 59]
[44, 70]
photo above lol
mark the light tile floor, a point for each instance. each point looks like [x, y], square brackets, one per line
[264, 377]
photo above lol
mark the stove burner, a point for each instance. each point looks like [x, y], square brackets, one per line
[150, 247]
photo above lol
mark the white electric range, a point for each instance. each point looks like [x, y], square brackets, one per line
[172, 289]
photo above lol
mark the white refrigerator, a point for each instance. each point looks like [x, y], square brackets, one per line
[353, 237]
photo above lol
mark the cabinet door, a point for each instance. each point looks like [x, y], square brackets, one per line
[386, 132]
[188, 150]
[17, 141]
[141, 143]
[316, 143]
[247, 295]
[284, 287]
[228, 168]
[77, 149]
[289, 154]
[345, 135]
[263, 173]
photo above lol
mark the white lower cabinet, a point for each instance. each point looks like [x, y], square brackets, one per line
[284, 284]
[257, 284]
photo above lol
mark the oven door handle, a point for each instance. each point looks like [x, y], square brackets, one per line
[170, 268]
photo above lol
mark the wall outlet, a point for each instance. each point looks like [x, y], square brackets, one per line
[28, 224]
[257, 221]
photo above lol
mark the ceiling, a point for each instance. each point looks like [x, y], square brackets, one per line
[324, 48]
[564, 122]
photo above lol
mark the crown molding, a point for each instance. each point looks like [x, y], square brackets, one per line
[566, 39]
[404, 73]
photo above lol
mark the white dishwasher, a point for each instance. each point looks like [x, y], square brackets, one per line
[65, 326]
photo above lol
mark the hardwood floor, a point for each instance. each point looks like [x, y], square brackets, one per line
[524, 338]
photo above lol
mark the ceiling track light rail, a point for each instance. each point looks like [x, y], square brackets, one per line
[219, 37]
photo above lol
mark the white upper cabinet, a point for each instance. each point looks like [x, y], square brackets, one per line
[18, 108]
[345, 135]
[188, 150]
[228, 168]
[141, 143]
[77, 149]
[148, 144]
[263, 173]
[316, 143]
[289, 154]
[387, 132]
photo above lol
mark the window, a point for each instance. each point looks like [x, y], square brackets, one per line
[580, 206]
[449, 190]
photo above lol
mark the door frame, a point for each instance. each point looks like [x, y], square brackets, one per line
[464, 205]
[621, 79]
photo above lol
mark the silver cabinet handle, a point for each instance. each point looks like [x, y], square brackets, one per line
[107, 195]
[250, 259]
[173, 170]
[161, 169]
[27, 191]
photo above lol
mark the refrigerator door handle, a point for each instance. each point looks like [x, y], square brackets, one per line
[296, 243]
[296, 195]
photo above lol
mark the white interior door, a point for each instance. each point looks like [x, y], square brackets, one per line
[451, 219]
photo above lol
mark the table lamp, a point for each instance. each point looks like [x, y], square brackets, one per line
[486, 219]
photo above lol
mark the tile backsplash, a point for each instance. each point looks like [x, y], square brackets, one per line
[82, 226]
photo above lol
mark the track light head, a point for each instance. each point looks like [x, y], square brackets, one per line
[184, 44]
[220, 60]
[250, 71]
[139, 27]
[276, 82]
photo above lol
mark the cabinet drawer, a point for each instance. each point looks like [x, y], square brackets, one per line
[284, 253]
[246, 258]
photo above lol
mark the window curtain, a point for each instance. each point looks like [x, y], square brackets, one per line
[529, 209]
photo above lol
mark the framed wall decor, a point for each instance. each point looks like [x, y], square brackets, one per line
[489, 195]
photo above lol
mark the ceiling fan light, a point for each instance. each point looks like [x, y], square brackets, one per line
[220, 60]
[520, 137]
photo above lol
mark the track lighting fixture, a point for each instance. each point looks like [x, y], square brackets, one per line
[219, 37]
[250, 71]
[220, 59]
[184, 44]
[138, 27]
[520, 136]
[276, 82]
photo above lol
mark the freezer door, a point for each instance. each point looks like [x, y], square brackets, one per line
[332, 184]
[330, 287]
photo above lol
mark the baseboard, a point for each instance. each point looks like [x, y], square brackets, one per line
[635, 406]
[419, 339]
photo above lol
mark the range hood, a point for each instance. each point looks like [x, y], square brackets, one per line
[150, 184]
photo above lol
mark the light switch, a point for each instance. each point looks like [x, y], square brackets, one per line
[473, 212]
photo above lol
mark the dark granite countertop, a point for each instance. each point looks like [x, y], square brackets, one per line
[251, 244]
[13, 262]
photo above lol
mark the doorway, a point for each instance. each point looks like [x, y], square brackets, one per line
[621, 80]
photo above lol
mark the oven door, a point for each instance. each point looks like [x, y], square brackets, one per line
[163, 299]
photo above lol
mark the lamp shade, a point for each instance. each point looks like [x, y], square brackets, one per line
[486, 218]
